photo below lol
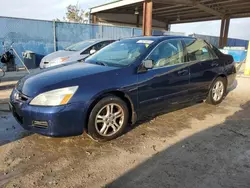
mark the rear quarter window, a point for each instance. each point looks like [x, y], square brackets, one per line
[216, 51]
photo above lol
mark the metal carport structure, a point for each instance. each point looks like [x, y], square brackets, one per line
[167, 12]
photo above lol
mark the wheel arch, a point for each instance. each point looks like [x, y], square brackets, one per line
[219, 75]
[117, 93]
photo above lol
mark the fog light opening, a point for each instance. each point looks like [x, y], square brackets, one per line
[40, 124]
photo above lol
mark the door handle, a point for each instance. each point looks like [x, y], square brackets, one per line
[182, 72]
[215, 64]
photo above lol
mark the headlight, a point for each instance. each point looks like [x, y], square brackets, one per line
[59, 60]
[55, 97]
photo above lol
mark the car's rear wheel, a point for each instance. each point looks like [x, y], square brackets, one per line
[217, 91]
[108, 119]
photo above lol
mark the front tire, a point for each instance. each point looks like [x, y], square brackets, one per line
[108, 119]
[217, 91]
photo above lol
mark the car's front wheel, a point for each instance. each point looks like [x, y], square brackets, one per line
[217, 91]
[108, 119]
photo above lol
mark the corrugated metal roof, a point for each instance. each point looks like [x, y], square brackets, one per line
[182, 11]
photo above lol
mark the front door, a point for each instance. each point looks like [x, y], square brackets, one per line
[168, 81]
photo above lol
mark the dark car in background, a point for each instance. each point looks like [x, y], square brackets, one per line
[75, 52]
[122, 82]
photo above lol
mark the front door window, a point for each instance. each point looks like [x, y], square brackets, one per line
[167, 53]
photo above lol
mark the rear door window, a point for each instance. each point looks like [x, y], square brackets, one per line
[198, 50]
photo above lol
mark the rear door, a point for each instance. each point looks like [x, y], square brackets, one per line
[168, 81]
[204, 66]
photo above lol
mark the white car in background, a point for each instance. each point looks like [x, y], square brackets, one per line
[75, 52]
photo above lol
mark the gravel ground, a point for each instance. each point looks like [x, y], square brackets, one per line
[197, 146]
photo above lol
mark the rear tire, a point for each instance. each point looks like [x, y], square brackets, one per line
[108, 119]
[217, 91]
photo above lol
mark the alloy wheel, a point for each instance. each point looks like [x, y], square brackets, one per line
[218, 91]
[109, 119]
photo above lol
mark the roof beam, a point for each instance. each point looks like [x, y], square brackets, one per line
[241, 15]
[189, 20]
[187, 16]
[193, 3]
[237, 8]
[174, 2]
[230, 2]
[209, 10]
[167, 8]
[113, 5]
[174, 10]
[178, 13]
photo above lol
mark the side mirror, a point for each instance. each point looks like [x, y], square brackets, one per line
[92, 51]
[148, 64]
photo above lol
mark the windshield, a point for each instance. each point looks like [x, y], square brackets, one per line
[80, 46]
[121, 53]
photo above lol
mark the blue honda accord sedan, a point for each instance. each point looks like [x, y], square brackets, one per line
[119, 84]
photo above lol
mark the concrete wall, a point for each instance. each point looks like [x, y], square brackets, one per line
[38, 36]
[27, 35]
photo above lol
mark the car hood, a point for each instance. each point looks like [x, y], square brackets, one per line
[59, 77]
[60, 53]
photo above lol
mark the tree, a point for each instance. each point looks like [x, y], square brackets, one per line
[56, 20]
[86, 14]
[74, 14]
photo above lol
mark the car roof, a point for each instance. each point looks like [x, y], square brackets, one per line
[98, 40]
[158, 38]
[93, 42]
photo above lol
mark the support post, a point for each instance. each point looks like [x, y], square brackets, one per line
[247, 65]
[101, 31]
[222, 29]
[143, 18]
[94, 19]
[54, 35]
[132, 32]
[227, 24]
[147, 17]
[137, 20]
[168, 27]
[148, 27]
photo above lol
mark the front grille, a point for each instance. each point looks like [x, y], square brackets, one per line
[46, 62]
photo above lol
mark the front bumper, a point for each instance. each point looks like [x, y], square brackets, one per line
[66, 120]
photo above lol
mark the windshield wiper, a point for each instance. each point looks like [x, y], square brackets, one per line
[101, 63]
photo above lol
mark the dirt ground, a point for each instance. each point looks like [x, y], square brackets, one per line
[198, 146]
